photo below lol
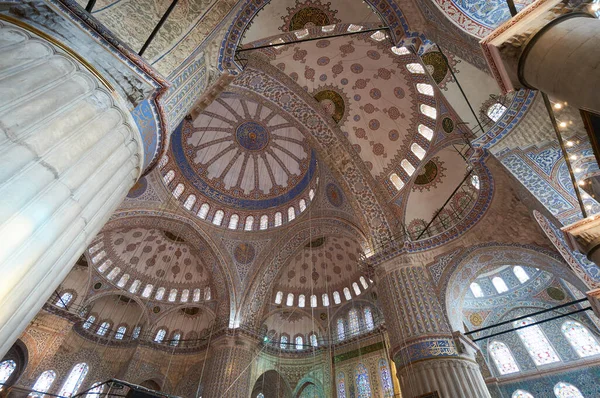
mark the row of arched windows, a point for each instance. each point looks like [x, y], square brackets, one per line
[538, 346]
[499, 283]
[561, 390]
[299, 342]
[363, 382]
[337, 298]
[104, 329]
[355, 323]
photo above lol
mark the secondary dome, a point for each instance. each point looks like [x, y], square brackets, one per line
[241, 158]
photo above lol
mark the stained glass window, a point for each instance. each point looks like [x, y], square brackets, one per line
[104, 327]
[189, 202]
[313, 300]
[476, 290]
[386, 379]
[185, 295]
[336, 297]
[160, 336]
[89, 322]
[260, 395]
[396, 181]
[428, 111]
[123, 281]
[43, 383]
[521, 394]
[249, 223]
[95, 391]
[475, 181]
[362, 382]
[521, 274]
[425, 132]
[503, 358]
[301, 301]
[415, 68]
[278, 219]
[120, 332]
[160, 293]
[313, 340]
[356, 288]
[290, 299]
[178, 190]
[341, 385]
[299, 343]
[341, 332]
[536, 342]
[233, 221]
[291, 213]
[353, 321]
[499, 284]
[407, 166]
[6, 369]
[135, 286]
[426, 89]
[172, 295]
[163, 162]
[580, 339]
[363, 282]
[418, 150]
[218, 217]
[175, 339]
[113, 274]
[169, 177]
[204, 209]
[207, 294]
[566, 390]
[368, 318]
[73, 382]
[64, 300]
[283, 342]
[325, 298]
[147, 290]
[347, 294]
[278, 297]
[496, 111]
[196, 297]
[136, 332]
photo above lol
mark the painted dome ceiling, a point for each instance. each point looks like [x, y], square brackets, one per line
[241, 155]
[133, 258]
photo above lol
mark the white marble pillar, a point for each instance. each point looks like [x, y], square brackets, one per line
[69, 153]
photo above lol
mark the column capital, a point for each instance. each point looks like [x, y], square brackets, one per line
[584, 235]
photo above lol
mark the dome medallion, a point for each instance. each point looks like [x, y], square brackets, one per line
[252, 136]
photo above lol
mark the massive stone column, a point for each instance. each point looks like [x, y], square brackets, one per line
[428, 356]
[549, 47]
[229, 367]
[69, 153]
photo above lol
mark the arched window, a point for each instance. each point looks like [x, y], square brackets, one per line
[302, 205]
[249, 223]
[495, 111]
[123, 280]
[278, 297]
[196, 296]
[169, 177]
[283, 342]
[178, 190]
[425, 132]
[278, 219]
[175, 339]
[260, 395]
[425, 89]
[313, 300]
[163, 162]
[353, 321]
[6, 370]
[428, 111]
[536, 342]
[95, 391]
[299, 343]
[341, 385]
[147, 290]
[580, 339]
[160, 293]
[475, 181]
[396, 181]
[120, 332]
[311, 194]
[341, 331]
[233, 221]
[362, 382]
[415, 68]
[290, 299]
[499, 284]
[204, 209]
[136, 332]
[386, 379]
[503, 358]
[407, 166]
[218, 217]
[104, 327]
[64, 299]
[160, 336]
[566, 390]
[135, 286]
[418, 150]
[336, 297]
[105, 266]
[325, 298]
[43, 383]
[347, 294]
[364, 283]
[476, 290]
[264, 222]
[400, 50]
[189, 202]
[356, 288]
[291, 213]
[207, 294]
[89, 322]
[521, 394]
[313, 340]
[99, 257]
[369, 318]
[172, 295]
[521, 274]
[113, 274]
[185, 295]
[301, 301]
[73, 382]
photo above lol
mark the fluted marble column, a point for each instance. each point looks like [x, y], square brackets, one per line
[428, 356]
[69, 153]
[229, 368]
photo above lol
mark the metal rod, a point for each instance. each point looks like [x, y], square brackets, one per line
[157, 27]
[527, 316]
[311, 39]
[532, 324]
[90, 5]
[564, 152]
[511, 7]
[460, 88]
